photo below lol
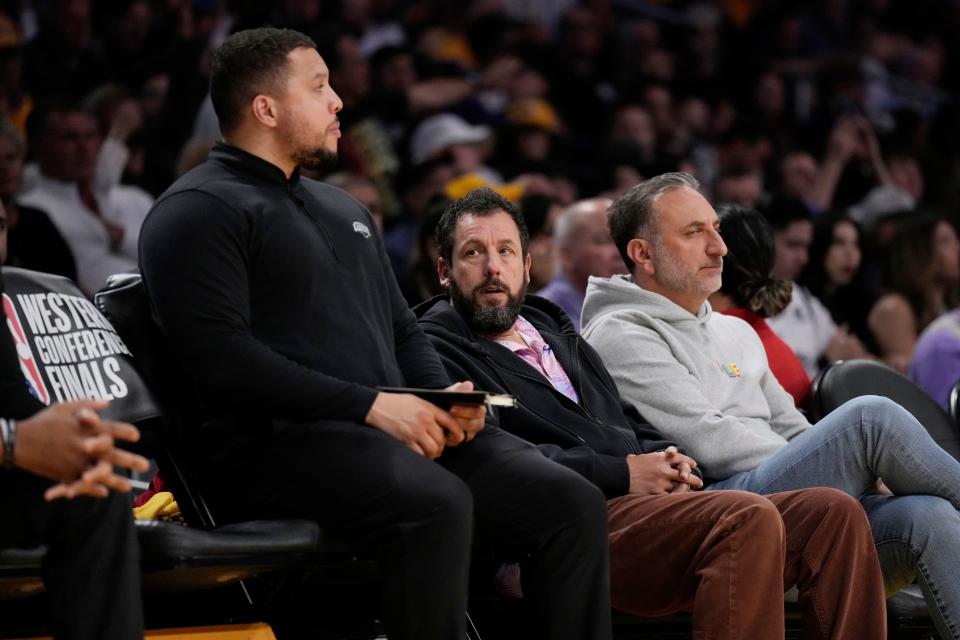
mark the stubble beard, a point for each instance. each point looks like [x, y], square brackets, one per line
[317, 160]
[674, 276]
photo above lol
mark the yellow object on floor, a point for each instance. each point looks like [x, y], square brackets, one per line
[159, 505]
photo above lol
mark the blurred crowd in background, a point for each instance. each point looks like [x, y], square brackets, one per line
[838, 120]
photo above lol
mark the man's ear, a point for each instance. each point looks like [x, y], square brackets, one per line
[264, 109]
[527, 262]
[443, 272]
[640, 250]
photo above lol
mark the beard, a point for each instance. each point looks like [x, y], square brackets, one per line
[316, 160]
[488, 320]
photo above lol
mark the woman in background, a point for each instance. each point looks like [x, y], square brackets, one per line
[835, 276]
[923, 274]
[751, 292]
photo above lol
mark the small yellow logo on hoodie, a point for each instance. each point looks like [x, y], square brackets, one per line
[731, 369]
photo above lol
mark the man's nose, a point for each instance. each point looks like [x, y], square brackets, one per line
[716, 246]
[337, 102]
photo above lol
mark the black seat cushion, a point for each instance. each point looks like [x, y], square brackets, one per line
[164, 543]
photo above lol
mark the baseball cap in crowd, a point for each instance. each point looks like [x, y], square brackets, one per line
[462, 185]
[533, 112]
[438, 132]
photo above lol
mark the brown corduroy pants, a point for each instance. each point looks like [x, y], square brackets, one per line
[728, 556]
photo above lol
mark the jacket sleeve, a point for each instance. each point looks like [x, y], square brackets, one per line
[608, 473]
[194, 256]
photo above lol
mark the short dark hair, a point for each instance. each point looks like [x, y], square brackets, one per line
[38, 122]
[631, 215]
[782, 211]
[479, 202]
[748, 266]
[248, 63]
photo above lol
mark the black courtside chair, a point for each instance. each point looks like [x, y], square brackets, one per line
[953, 404]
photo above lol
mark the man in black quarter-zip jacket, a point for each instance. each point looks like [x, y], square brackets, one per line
[724, 555]
[277, 297]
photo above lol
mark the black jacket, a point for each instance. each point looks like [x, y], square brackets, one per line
[278, 297]
[593, 437]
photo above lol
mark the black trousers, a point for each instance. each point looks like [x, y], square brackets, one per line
[417, 517]
[92, 566]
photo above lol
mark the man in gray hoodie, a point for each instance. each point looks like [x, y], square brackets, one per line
[703, 380]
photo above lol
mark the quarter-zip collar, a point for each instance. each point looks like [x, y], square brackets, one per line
[254, 166]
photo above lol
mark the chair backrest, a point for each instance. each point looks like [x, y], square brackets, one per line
[68, 350]
[953, 404]
[850, 379]
[124, 302]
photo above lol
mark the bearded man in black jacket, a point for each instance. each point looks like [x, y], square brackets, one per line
[725, 555]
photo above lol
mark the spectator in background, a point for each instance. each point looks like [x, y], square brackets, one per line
[32, 240]
[462, 145]
[526, 142]
[540, 212]
[750, 291]
[363, 189]
[417, 185]
[15, 101]
[65, 60]
[922, 280]
[833, 274]
[101, 227]
[805, 324]
[798, 172]
[853, 150]
[739, 185]
[935, 364]
[584, 248]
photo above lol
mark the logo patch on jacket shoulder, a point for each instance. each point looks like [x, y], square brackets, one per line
[362, 229]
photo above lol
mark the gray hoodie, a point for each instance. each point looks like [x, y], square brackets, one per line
[703, 380]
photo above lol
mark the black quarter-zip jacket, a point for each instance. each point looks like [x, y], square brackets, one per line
[277, 296]
[593, 437]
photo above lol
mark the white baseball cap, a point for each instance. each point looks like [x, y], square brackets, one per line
[441, 131]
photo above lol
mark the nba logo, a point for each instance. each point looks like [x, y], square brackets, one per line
[28, 364]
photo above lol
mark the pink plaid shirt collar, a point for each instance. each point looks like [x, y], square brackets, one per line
[538, 354]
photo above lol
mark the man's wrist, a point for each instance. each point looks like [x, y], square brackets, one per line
[8, 433]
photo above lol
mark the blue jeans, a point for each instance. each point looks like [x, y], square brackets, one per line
[917, 531]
